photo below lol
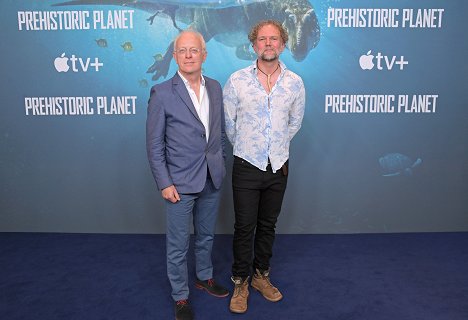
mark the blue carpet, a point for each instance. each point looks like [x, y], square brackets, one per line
[354, 277]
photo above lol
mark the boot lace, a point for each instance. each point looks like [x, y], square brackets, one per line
[267, 279]
[238, 287]
[265, 276]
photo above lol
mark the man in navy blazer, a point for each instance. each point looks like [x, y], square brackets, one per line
[185, 144]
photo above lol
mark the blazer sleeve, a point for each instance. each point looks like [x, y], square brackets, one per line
[155, 140]
[223, 131]
[223, 121]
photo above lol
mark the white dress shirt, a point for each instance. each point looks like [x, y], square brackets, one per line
[203, 106]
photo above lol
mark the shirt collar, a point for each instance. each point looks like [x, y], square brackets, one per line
[253, 67]
[186, 81]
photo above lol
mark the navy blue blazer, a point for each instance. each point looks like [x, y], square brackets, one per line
[176, 143]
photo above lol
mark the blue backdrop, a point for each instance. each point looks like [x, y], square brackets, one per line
[383, 146]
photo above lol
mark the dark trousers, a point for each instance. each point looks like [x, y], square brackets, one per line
[258, 196]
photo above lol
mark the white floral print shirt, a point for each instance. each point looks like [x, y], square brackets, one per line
[259, 125]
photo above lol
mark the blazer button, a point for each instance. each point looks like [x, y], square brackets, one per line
[203, 135]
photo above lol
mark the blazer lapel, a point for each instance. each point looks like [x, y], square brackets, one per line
[181, 90]
[211, 104]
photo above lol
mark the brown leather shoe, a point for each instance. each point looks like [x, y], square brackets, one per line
[261, 282]
[239, 297]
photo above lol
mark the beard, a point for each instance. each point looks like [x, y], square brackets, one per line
[269, 57]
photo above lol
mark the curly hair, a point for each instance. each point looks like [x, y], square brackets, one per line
[254, 31]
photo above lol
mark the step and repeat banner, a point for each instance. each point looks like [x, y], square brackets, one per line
[383, 146]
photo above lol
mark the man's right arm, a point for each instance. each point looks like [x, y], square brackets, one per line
[170, 193]
[230, 110]
[155, 141]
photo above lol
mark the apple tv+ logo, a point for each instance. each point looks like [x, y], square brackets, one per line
[366, 61]
[77, 64]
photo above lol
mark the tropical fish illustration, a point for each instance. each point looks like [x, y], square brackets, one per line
[101, 43]
[228, 23]
[158, 57]
[127, 46]
[143, 83]
[395, 164]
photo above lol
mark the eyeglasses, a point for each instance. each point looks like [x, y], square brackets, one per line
[183, 51]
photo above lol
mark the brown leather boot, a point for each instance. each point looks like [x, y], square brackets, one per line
[239, 297]
[261, 282]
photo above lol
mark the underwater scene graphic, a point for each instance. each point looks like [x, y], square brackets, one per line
[349, 171]
[225, 22]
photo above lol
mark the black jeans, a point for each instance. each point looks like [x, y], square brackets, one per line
[258, 196]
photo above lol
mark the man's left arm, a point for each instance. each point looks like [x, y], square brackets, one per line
[296, 113]
[223, 130]
[219, 91]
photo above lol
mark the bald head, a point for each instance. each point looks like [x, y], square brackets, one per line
[193, 32]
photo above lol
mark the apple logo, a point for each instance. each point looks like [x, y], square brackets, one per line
[61, 63]
[365, 61]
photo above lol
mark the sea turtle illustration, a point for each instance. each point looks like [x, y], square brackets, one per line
[395, 164]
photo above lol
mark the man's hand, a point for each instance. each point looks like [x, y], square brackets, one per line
[170, 193]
